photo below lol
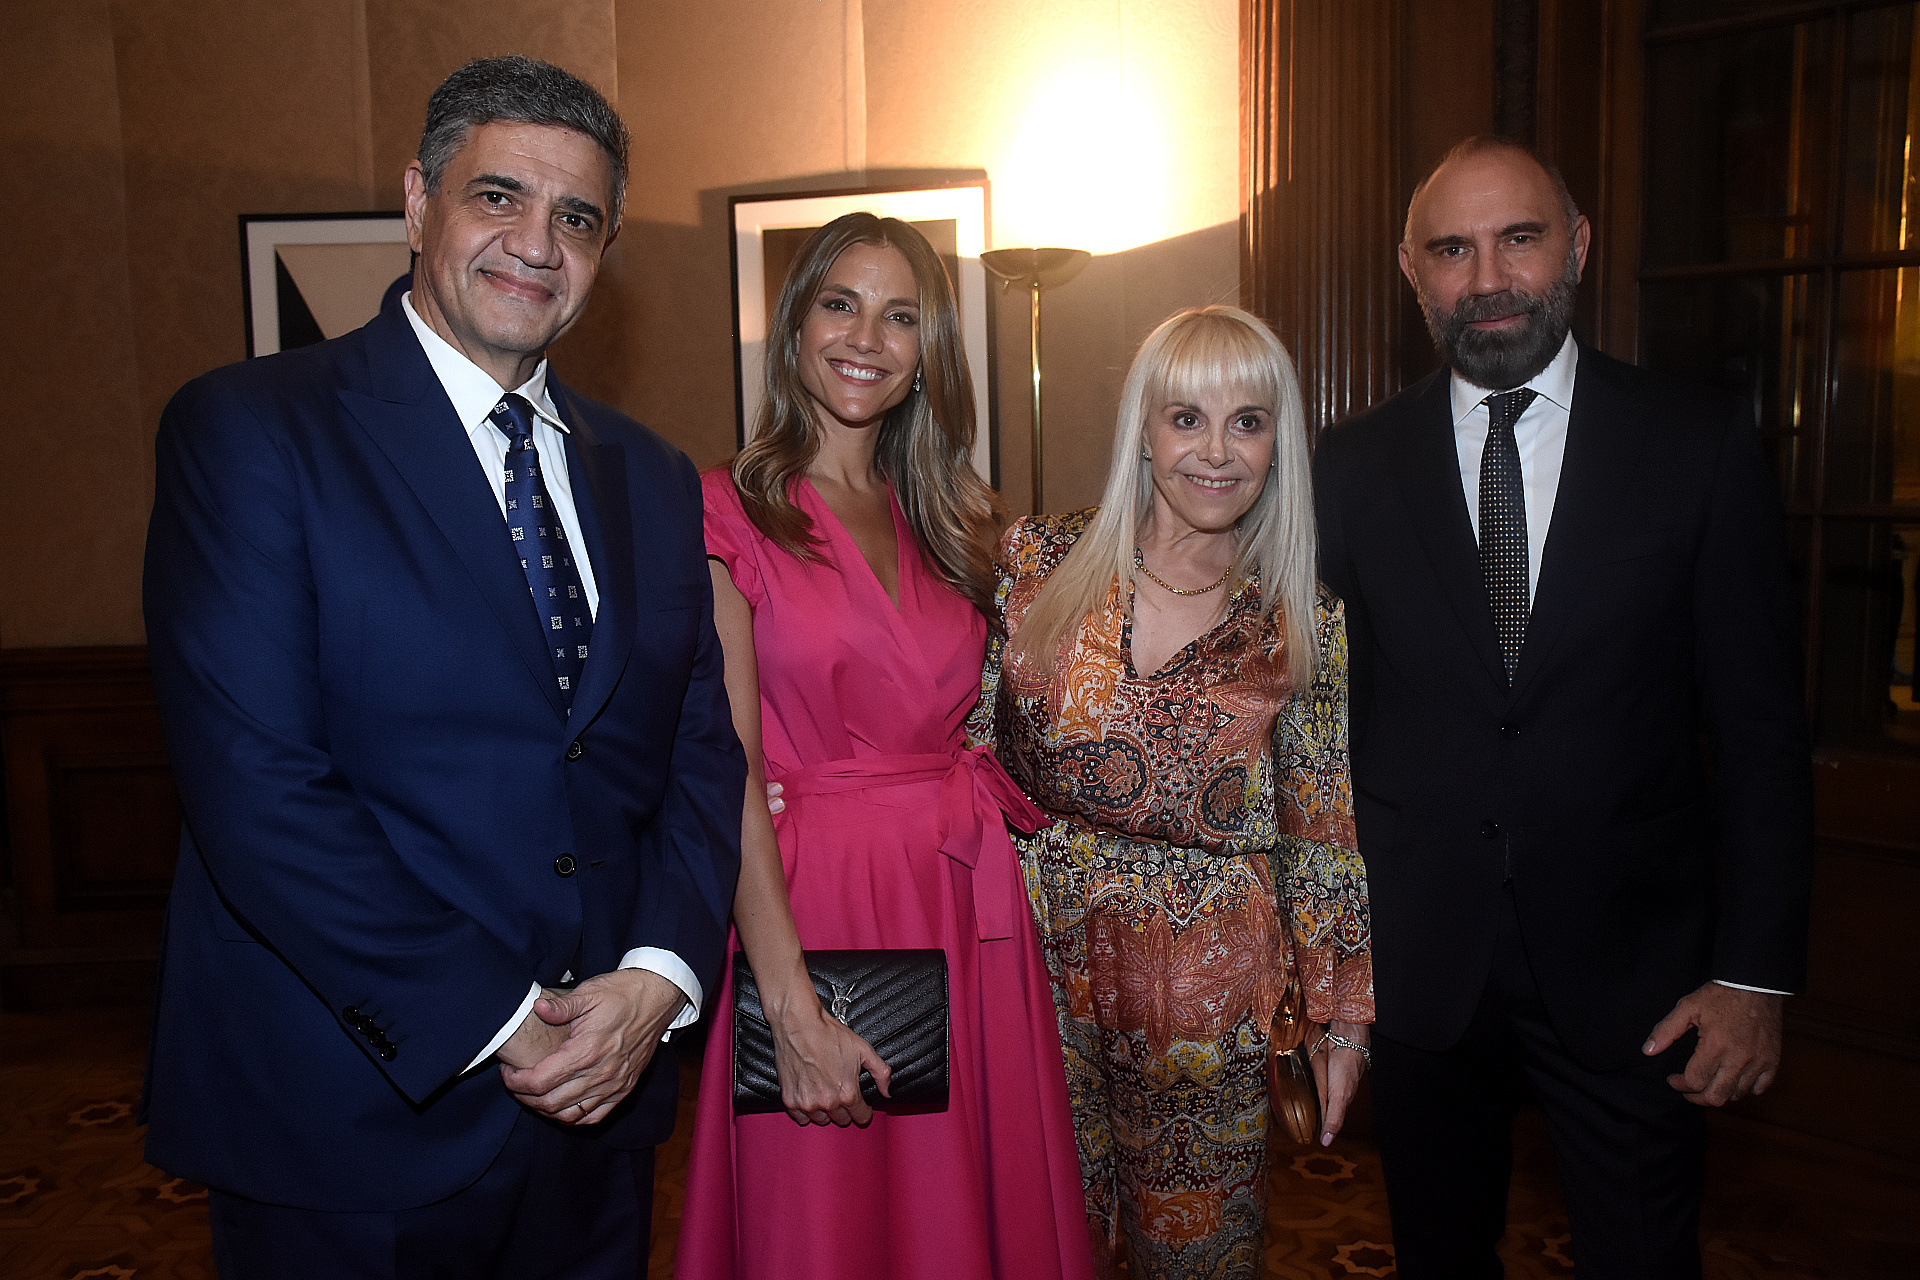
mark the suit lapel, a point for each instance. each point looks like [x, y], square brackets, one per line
[1580, 516]
[1427, 469]
[597, 473]
[409, 417]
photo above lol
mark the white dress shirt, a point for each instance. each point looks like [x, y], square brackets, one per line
[1541, 434]
[474, 394]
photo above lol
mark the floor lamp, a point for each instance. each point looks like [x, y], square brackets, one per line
[1037, 269]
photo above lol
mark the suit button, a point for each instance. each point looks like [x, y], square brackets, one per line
[564, 865]
[575, 750]
[1489, 830]
[353, 1017]
[1509, 731]
[388, 1053]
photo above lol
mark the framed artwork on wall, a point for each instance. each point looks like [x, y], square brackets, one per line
[768, 232]
[306, 277]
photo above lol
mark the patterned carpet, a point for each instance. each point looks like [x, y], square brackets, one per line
[77, 1203]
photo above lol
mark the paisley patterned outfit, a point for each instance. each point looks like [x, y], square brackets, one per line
[1192, 804]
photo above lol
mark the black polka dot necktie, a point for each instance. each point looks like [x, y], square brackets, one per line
[1503, 523]
[554, 579]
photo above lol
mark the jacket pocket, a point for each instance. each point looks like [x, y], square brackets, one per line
[1655, 542]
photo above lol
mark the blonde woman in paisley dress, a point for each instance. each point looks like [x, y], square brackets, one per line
[1173, 689]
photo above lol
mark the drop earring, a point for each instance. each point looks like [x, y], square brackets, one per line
[916, 379]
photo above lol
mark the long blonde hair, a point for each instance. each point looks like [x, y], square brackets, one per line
[1192, 355]
[925, 445]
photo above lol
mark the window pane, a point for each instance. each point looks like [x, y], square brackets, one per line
[1873, 441]
[1878, 200]
[1866, 636]
[1753, 336]
[1744, 118]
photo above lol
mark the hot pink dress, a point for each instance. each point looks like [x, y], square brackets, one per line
[894, 835]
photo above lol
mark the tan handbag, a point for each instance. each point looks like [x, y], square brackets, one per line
[1291, 1093]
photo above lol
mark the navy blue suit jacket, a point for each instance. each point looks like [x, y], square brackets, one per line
[1662, 624]
[379, 778]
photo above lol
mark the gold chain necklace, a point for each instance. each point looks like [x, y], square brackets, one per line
[1141, 563]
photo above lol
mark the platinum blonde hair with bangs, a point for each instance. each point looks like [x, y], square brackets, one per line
[1191, 355]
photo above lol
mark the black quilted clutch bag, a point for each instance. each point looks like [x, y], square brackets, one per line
[895, 1000]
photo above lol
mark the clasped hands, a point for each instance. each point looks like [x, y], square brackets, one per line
[579, 1052]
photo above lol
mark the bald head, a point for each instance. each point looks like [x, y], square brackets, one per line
[1494, 248]
[1481, 144]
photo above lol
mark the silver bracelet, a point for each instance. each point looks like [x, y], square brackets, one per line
[1341, 1041]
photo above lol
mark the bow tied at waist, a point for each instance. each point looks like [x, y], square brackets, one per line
[974, 789]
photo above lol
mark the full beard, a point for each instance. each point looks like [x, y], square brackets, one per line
[1501, 359]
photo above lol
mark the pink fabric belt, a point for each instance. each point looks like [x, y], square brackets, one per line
[973, 786]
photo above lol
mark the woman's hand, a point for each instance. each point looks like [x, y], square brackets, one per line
[1337, 1072]
[819, 1061]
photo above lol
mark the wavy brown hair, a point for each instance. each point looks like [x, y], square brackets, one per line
[926, 441]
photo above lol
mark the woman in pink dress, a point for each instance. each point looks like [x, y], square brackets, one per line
[851, 547]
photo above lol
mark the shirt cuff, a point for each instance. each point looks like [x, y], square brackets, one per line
[674, 970]
[506, 1032]
[1741, 986]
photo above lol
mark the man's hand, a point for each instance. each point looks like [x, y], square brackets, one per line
[531, 1041]
[613, 1023]
[1739, 1048]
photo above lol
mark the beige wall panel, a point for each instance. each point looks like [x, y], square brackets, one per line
[1110, 125]
[722, 98]
[81, 474]
[412, 45]
[227, 107]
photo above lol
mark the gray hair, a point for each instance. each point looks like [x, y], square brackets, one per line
[520, 90]
[1478, 144]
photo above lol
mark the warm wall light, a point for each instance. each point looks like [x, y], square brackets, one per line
[1111, 125]
[1086, 160]
[1035, 269]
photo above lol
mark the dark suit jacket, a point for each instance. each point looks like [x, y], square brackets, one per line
[379, 778]
[1662, 632]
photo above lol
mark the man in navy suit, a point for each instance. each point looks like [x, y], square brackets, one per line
[433, 643]
[1566, 582]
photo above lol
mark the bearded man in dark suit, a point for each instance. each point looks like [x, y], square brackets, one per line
[433, 641]
[1582, 775]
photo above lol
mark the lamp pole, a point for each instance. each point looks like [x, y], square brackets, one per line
[1037, 269]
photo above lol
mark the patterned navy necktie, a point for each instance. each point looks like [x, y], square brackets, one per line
[554, 579]
[1503, 523]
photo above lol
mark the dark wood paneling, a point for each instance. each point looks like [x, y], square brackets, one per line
[1323, 216]
[1570, 129]
[1516, 69]
[1869, 800]
[92, 824]
[116, 823]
